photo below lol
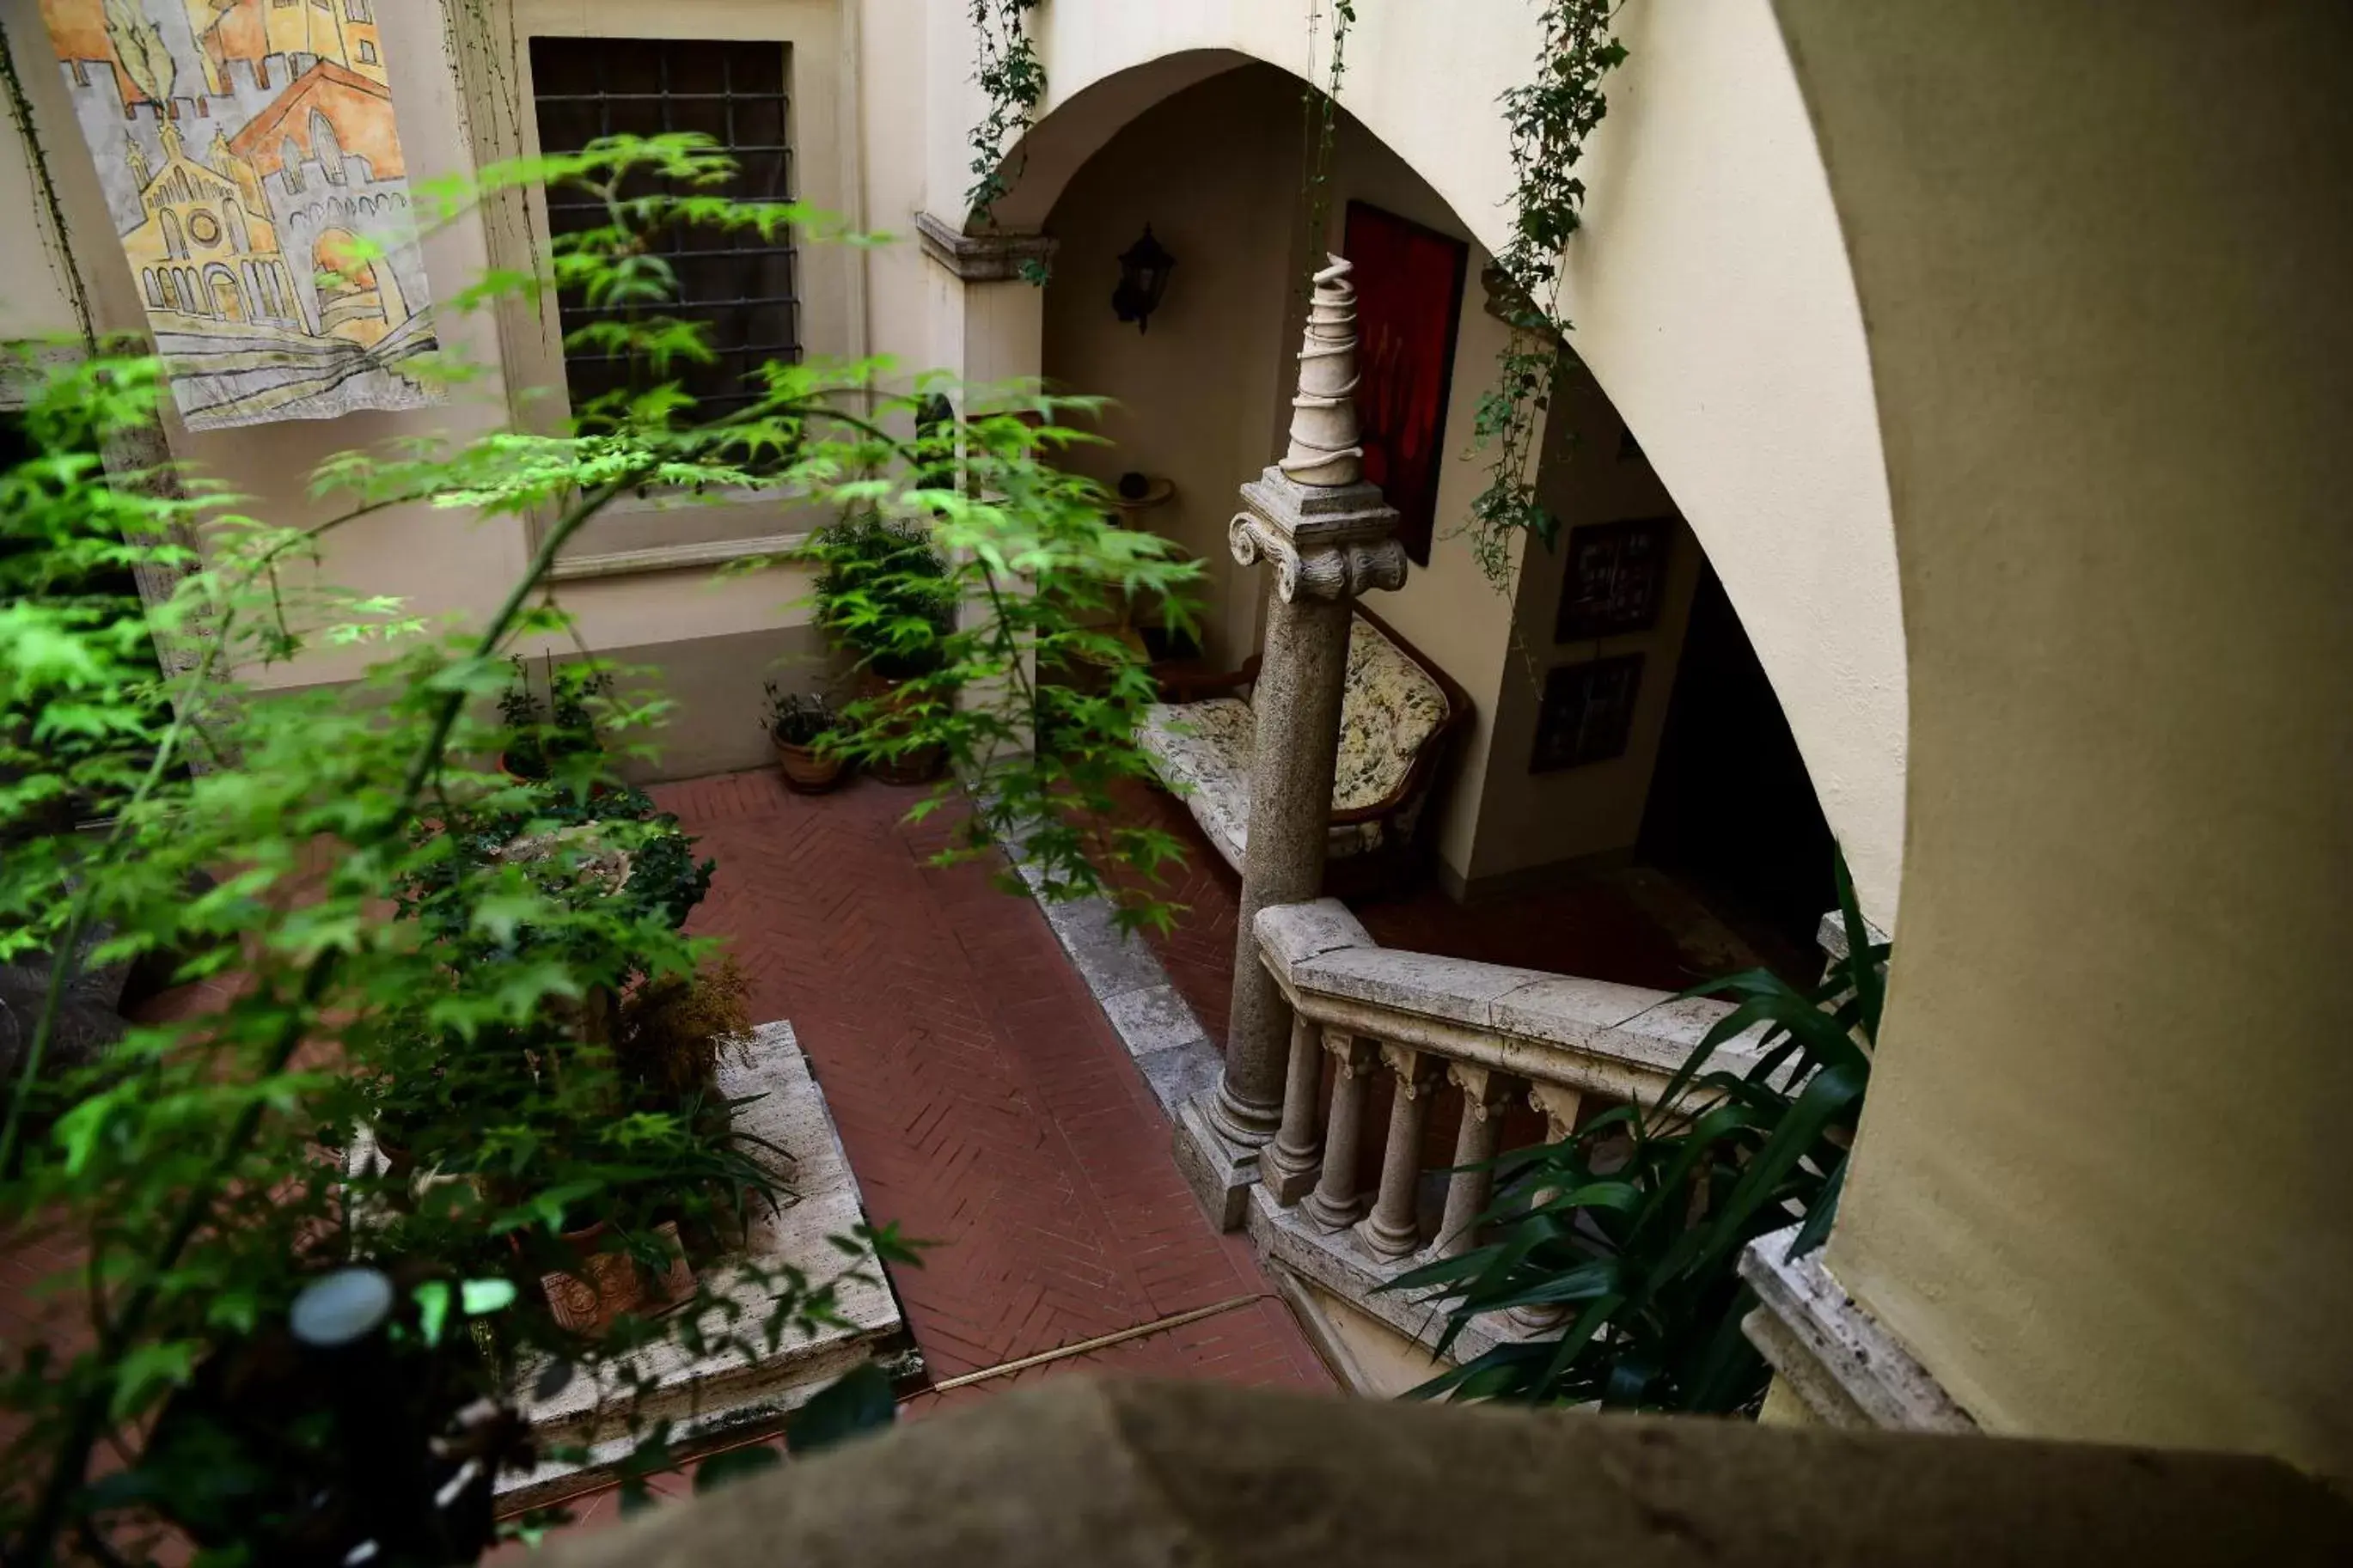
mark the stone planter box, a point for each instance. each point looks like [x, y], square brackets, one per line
[712, 1399]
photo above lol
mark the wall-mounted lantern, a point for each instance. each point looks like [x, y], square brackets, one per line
[1143, 279]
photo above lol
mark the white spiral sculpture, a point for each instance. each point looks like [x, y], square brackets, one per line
[1324, 446]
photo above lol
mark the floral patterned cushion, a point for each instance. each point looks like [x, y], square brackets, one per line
[1390, 710]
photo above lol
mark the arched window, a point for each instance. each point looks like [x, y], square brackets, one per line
[175, 244]
[325, 148]
[154, 290]
[289, 156]
[226, 301]
[233, 218]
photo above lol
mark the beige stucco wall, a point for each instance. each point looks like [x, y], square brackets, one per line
[2101, 1184]
[1527, 819]
[1715, 308]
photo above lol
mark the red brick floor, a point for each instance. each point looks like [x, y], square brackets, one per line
[984, 1102]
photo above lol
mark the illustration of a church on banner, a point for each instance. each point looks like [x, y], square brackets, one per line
[253, 169]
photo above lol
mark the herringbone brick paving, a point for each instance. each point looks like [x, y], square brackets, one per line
[984, 1102]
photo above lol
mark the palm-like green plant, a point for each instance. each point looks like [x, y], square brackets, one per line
[1635, 1223]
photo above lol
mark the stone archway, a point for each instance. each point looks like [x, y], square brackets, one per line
[1717, 308]
[2099, 1188]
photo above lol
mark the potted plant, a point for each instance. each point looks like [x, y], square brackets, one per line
[797, 722]
[545, 741]
[885, 595]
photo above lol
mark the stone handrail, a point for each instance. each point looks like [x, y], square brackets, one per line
[1621, 1042]
[1495, 1032]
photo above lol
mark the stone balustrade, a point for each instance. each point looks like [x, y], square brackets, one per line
[1429, 1025]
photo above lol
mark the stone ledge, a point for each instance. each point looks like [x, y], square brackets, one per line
[982, 258]
[1174, 1054]
[1833, 1355]
[1126, 1474]
[1332, 1261]
[1291, 933]
[1830, 935]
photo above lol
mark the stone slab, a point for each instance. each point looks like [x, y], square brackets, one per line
[1115, 966]
[1288, 933]
[1179, 1073]
[1153, 1019]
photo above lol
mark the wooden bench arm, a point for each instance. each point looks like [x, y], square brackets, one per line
[1179, 685]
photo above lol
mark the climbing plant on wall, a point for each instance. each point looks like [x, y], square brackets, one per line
[1550, 118]
[1014, 79]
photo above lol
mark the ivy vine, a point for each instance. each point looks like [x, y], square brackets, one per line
[1550, 119]
[37, 159]
[1321, 107]
[1014, 80]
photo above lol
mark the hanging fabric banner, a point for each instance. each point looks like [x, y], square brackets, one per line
[250, 162]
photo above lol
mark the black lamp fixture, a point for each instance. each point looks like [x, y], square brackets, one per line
[1143, 279]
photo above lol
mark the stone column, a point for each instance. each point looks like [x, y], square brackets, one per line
[1559, 1105]
[1392, 1234]
[1335, 1204]
[1328, 536]
[1471, 1186]
[1289, 1167]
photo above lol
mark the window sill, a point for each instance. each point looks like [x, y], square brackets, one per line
[673, 557]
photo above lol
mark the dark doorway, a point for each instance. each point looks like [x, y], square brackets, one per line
[1731, 812]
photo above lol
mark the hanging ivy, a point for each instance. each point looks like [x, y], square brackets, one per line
[20, 114]
[1550, 118]
[1014, 80]
[1321, 107]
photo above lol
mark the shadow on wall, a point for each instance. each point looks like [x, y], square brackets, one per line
[1731, 810]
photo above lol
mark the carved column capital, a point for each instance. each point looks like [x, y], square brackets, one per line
[1486, 1091]
[1332, 572]
[1419, 1073]
[1353, 1056]
[1559, 1104]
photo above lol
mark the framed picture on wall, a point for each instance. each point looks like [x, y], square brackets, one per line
[1616, 578]
[1586, 712]
[1408, 305]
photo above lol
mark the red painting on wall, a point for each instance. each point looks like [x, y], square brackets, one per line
[1408, 304]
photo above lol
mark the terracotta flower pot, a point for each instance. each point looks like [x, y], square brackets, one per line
[916, 768]
[804, 770]
[605, 1285]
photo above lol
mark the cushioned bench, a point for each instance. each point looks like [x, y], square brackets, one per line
[1397, 714]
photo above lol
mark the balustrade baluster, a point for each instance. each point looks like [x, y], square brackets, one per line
[1471, 1186]
[1391, 1234]
[1335, 1203]
[1559, 1105]
[1291, 1163]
